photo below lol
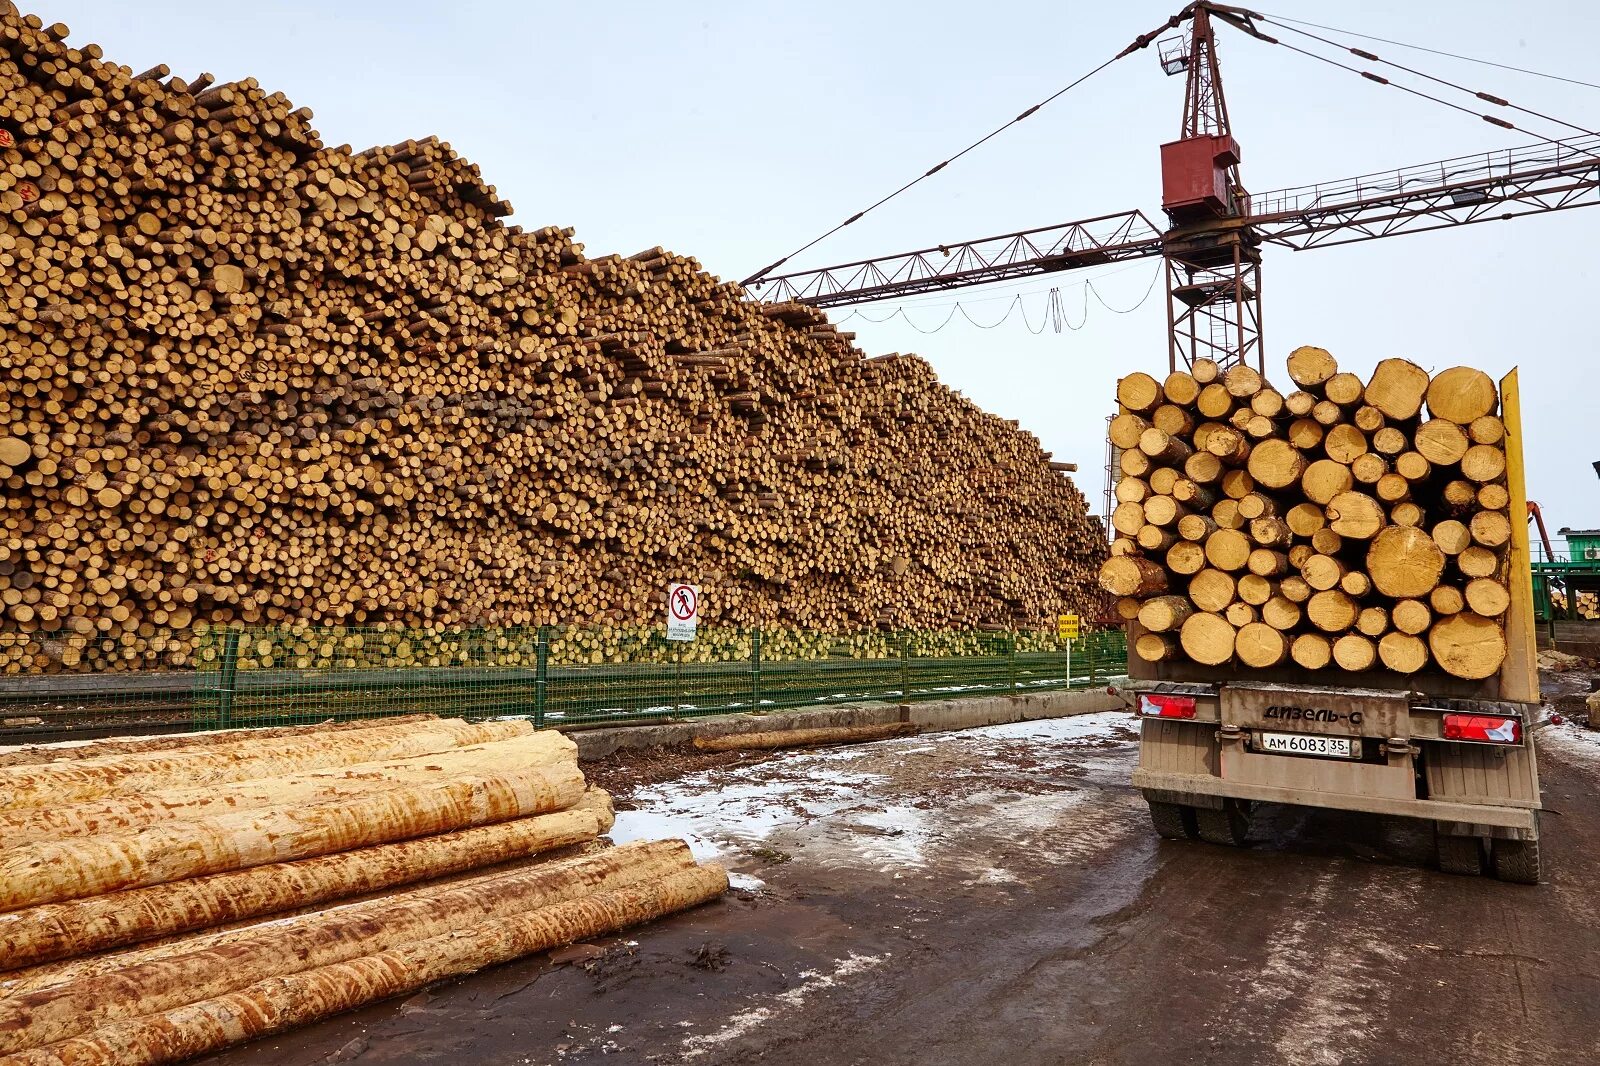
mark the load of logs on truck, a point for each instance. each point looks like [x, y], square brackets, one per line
[1328, 597]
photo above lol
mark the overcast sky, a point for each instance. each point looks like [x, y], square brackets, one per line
[736, 132]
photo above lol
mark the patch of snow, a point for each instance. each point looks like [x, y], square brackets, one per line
[745, 882]
[1575, 742]
[752, 1018]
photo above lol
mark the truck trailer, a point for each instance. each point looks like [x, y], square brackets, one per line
[1218, 741]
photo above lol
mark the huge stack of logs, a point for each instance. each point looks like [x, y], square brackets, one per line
[160, 902]
[250, 377]
[1342, 525]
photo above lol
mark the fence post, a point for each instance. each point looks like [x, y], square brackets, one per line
[227, 679]
[541, 675]
[905, 667]
[755, 671]
[677, 676]
[1013, 652]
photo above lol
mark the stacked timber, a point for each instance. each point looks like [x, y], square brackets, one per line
[163, 903]
[250, 377]
[1588, 604]
[1341, 525]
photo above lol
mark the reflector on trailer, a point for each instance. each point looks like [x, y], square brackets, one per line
[1482, 728]
[1167, 706]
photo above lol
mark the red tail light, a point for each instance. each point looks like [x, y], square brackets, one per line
[1167, 706]
[1482, 728]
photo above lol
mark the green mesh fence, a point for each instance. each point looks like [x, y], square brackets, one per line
[102, 684]
[570, 675]
[554, 675]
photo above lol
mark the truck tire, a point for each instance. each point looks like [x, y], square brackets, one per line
[1459, 855]
[1227, 827]
[1516, 861]
[1173, 821]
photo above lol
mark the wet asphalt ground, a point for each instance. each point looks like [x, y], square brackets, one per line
[998, 896]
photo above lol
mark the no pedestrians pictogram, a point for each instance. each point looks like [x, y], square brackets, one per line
[683, 611]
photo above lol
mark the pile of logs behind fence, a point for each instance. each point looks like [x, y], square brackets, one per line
[1337, 526]
[252, 377]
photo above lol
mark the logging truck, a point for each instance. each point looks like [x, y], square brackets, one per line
[1390, 738]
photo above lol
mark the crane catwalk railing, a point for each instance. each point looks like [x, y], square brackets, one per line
[554, 675]
[1547, 176]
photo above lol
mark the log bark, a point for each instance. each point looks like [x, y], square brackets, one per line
[125, 814]
[1165, 613]
[62, 930]
[298, 999]
[1132, 576]
[217, 965]
[45, 872]
[87, 779]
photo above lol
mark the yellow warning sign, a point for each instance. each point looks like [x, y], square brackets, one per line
[1067, 626]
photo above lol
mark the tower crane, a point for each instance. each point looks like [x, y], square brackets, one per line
[1216, 230]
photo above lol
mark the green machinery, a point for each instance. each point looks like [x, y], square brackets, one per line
[1559, 577]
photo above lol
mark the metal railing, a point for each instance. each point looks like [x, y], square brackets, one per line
[554, 675]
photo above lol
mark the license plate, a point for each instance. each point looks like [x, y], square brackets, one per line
[1308, 744]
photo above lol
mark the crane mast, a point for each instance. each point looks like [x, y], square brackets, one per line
[1212, 256]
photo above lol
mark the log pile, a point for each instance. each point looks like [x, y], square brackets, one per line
[160, 904]
[251, 377]
[1341, 525]
[1588, 604]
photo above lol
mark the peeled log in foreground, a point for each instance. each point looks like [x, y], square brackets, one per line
[84, 779]
[184, 974]
[48, 871]
[801, 738]
[281, 1003]
[126, 814]
[117, 746]
[61, 930]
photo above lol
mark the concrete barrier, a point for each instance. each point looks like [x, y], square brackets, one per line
[930, 717]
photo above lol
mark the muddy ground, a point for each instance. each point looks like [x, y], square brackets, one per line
[997, 896]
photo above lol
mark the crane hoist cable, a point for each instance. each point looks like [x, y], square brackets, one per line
[1142, 41]
[1373, 58]
[1280, 19]
[1584, 149]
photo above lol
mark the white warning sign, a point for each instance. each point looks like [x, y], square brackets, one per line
[683, 611]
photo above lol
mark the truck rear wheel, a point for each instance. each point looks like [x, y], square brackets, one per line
[1459, 855]
[1227, 827]
[1173, 821]
[1516, 861]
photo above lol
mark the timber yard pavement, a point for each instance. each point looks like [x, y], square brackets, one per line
[998, 895]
